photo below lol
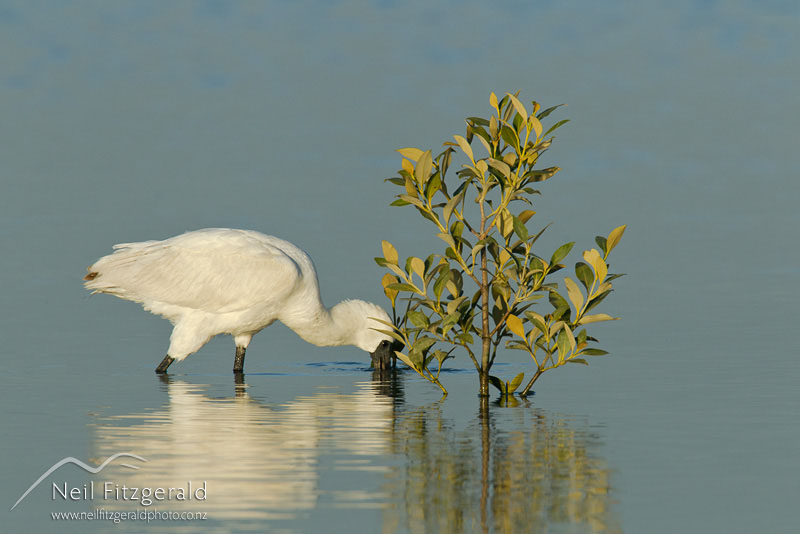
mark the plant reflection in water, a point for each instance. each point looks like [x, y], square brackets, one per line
[509, 469]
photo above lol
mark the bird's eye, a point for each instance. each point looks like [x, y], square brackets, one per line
[384, 343]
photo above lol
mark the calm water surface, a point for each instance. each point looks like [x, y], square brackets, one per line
[127, 121]
[346, 453]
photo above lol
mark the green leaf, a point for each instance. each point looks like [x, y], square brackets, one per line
[519, 228]
[464, 147]
[574, 294]
[563, 345]
[593, 352]
[515, 382]
[541, 175]
[493, 100]
[537, 321]
[581, 337]
[440, 283]
[597, 300]
[557, 300]
[561, 253]
[509, 136]
[547, 112]
[422, 344]
[418, 318]
[451, 319]
[499, 384]
[465, 338]
[434, 185]
[389, 252]
[514, 324]
[441, 356]
[411, 153]
[402, 287]
[601, 242]
[578, 360]
[555, 127]
[584, 274]
[451, 206]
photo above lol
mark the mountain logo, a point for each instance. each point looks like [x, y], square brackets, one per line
[85, 467]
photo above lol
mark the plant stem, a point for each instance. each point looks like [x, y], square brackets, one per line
[485, 335]
[524, 393]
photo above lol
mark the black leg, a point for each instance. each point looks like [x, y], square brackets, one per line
[238, 362]
[166, 362]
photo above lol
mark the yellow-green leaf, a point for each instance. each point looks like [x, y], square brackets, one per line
[405, 359]
[464, 146]
[411, 153]
[600, 268]
[504, 256]
[594, 259]
[493, 100]
[504, 169]
[485, 144]
[447, 238]
[525, 215]
[596, 318]
[505, 223]
[614, 237]
[515, 325]
[418, 267]
[389, 252]
[422, 170]
[386, 281]
[574, 294]
[411, 189]
[534, 124]
[518, 106]
[570, 337]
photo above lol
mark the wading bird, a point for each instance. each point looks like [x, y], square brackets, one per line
[237, 282]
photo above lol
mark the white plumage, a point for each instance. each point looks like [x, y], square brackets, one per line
[224, 281]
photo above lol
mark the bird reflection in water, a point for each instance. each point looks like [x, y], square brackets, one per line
[260, 461]
[507, 470]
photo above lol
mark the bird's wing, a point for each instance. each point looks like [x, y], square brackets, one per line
[198, 271]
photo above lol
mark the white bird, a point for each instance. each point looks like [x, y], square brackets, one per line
[237, 282]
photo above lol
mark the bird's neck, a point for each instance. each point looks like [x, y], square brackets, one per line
[322, 326]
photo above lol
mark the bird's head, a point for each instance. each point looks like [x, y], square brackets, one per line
[365, 319]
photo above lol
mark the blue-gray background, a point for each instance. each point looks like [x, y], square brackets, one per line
[126, 121]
